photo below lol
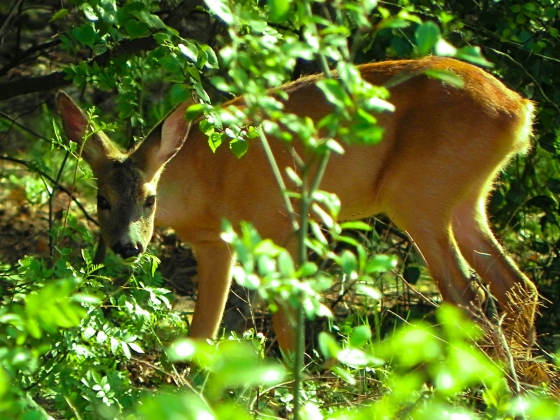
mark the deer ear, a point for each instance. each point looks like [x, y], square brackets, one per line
[164, 141]
[96, 149]
[74, 120]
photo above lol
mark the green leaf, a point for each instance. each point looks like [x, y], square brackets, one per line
[86, 35]
[324, 217]
[171, 63]
[278, 9]
[34, 329]
[353, 357]
[473, 55]
[444, 48]
[334, 92]
[393, 22]
[89, 12]
[215, 140]
[180, 93]
[89, 332]
[328, 345]
[101, 337]
[5, 385]
[446, 76]
[248, 371]
[114, 344]
[126, 350]
[239, 147]
[380, 263]
[248, 280]
[307, 269]
[294, 176]
[344, 374]
[358, 225]
[377, 104]
[427, 34]
[360, 336]
[194, 111]
[136, 29]
[201, 92]
[348, 262]
[169, 406]
[59, 15]
[369, 291]
[221, 9]
[331, 201]
[266, 265]
[211, 58]
[286, 265]
[155, 22]
[189, 50]
[136, 348]
[318, 232]
[267, 247]
[84, 298]
[335, 146]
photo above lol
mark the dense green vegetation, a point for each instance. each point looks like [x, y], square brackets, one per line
[84, 341]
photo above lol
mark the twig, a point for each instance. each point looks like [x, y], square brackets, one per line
[53, 181]
[416, 291]
[14, 122]
[530, 76]
[8, 19]
[60, 79]
[51, 196]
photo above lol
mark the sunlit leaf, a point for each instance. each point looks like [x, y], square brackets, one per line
[446, 76]
[344, 374]
[358, 225]
[328, 346]
[444, 48]
[59, 15]
[348, 262]
[334, 92]
[279, 9]
[360, 335]
[369, 291]
[473, 55]
[221, 9]
[189, 50]
[380, 263]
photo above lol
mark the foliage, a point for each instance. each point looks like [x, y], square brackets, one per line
[79, 340]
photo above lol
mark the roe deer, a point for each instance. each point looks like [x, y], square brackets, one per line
[432, 173]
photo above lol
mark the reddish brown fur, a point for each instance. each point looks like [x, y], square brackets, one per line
[431, 174]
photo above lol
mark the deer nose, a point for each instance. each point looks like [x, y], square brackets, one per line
[128, 250]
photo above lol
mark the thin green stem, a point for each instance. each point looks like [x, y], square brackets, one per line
[321, 170]
[300, 316]
[306, 203]
[279, 179]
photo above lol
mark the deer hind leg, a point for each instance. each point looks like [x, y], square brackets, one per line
[214, 279]
[516, 294]
[283, 322]
[434, 238]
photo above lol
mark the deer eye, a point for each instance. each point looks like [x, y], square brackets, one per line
[102, 203]
[150, 201]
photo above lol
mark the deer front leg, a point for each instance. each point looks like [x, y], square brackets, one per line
[214, 279]
[285, 319]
